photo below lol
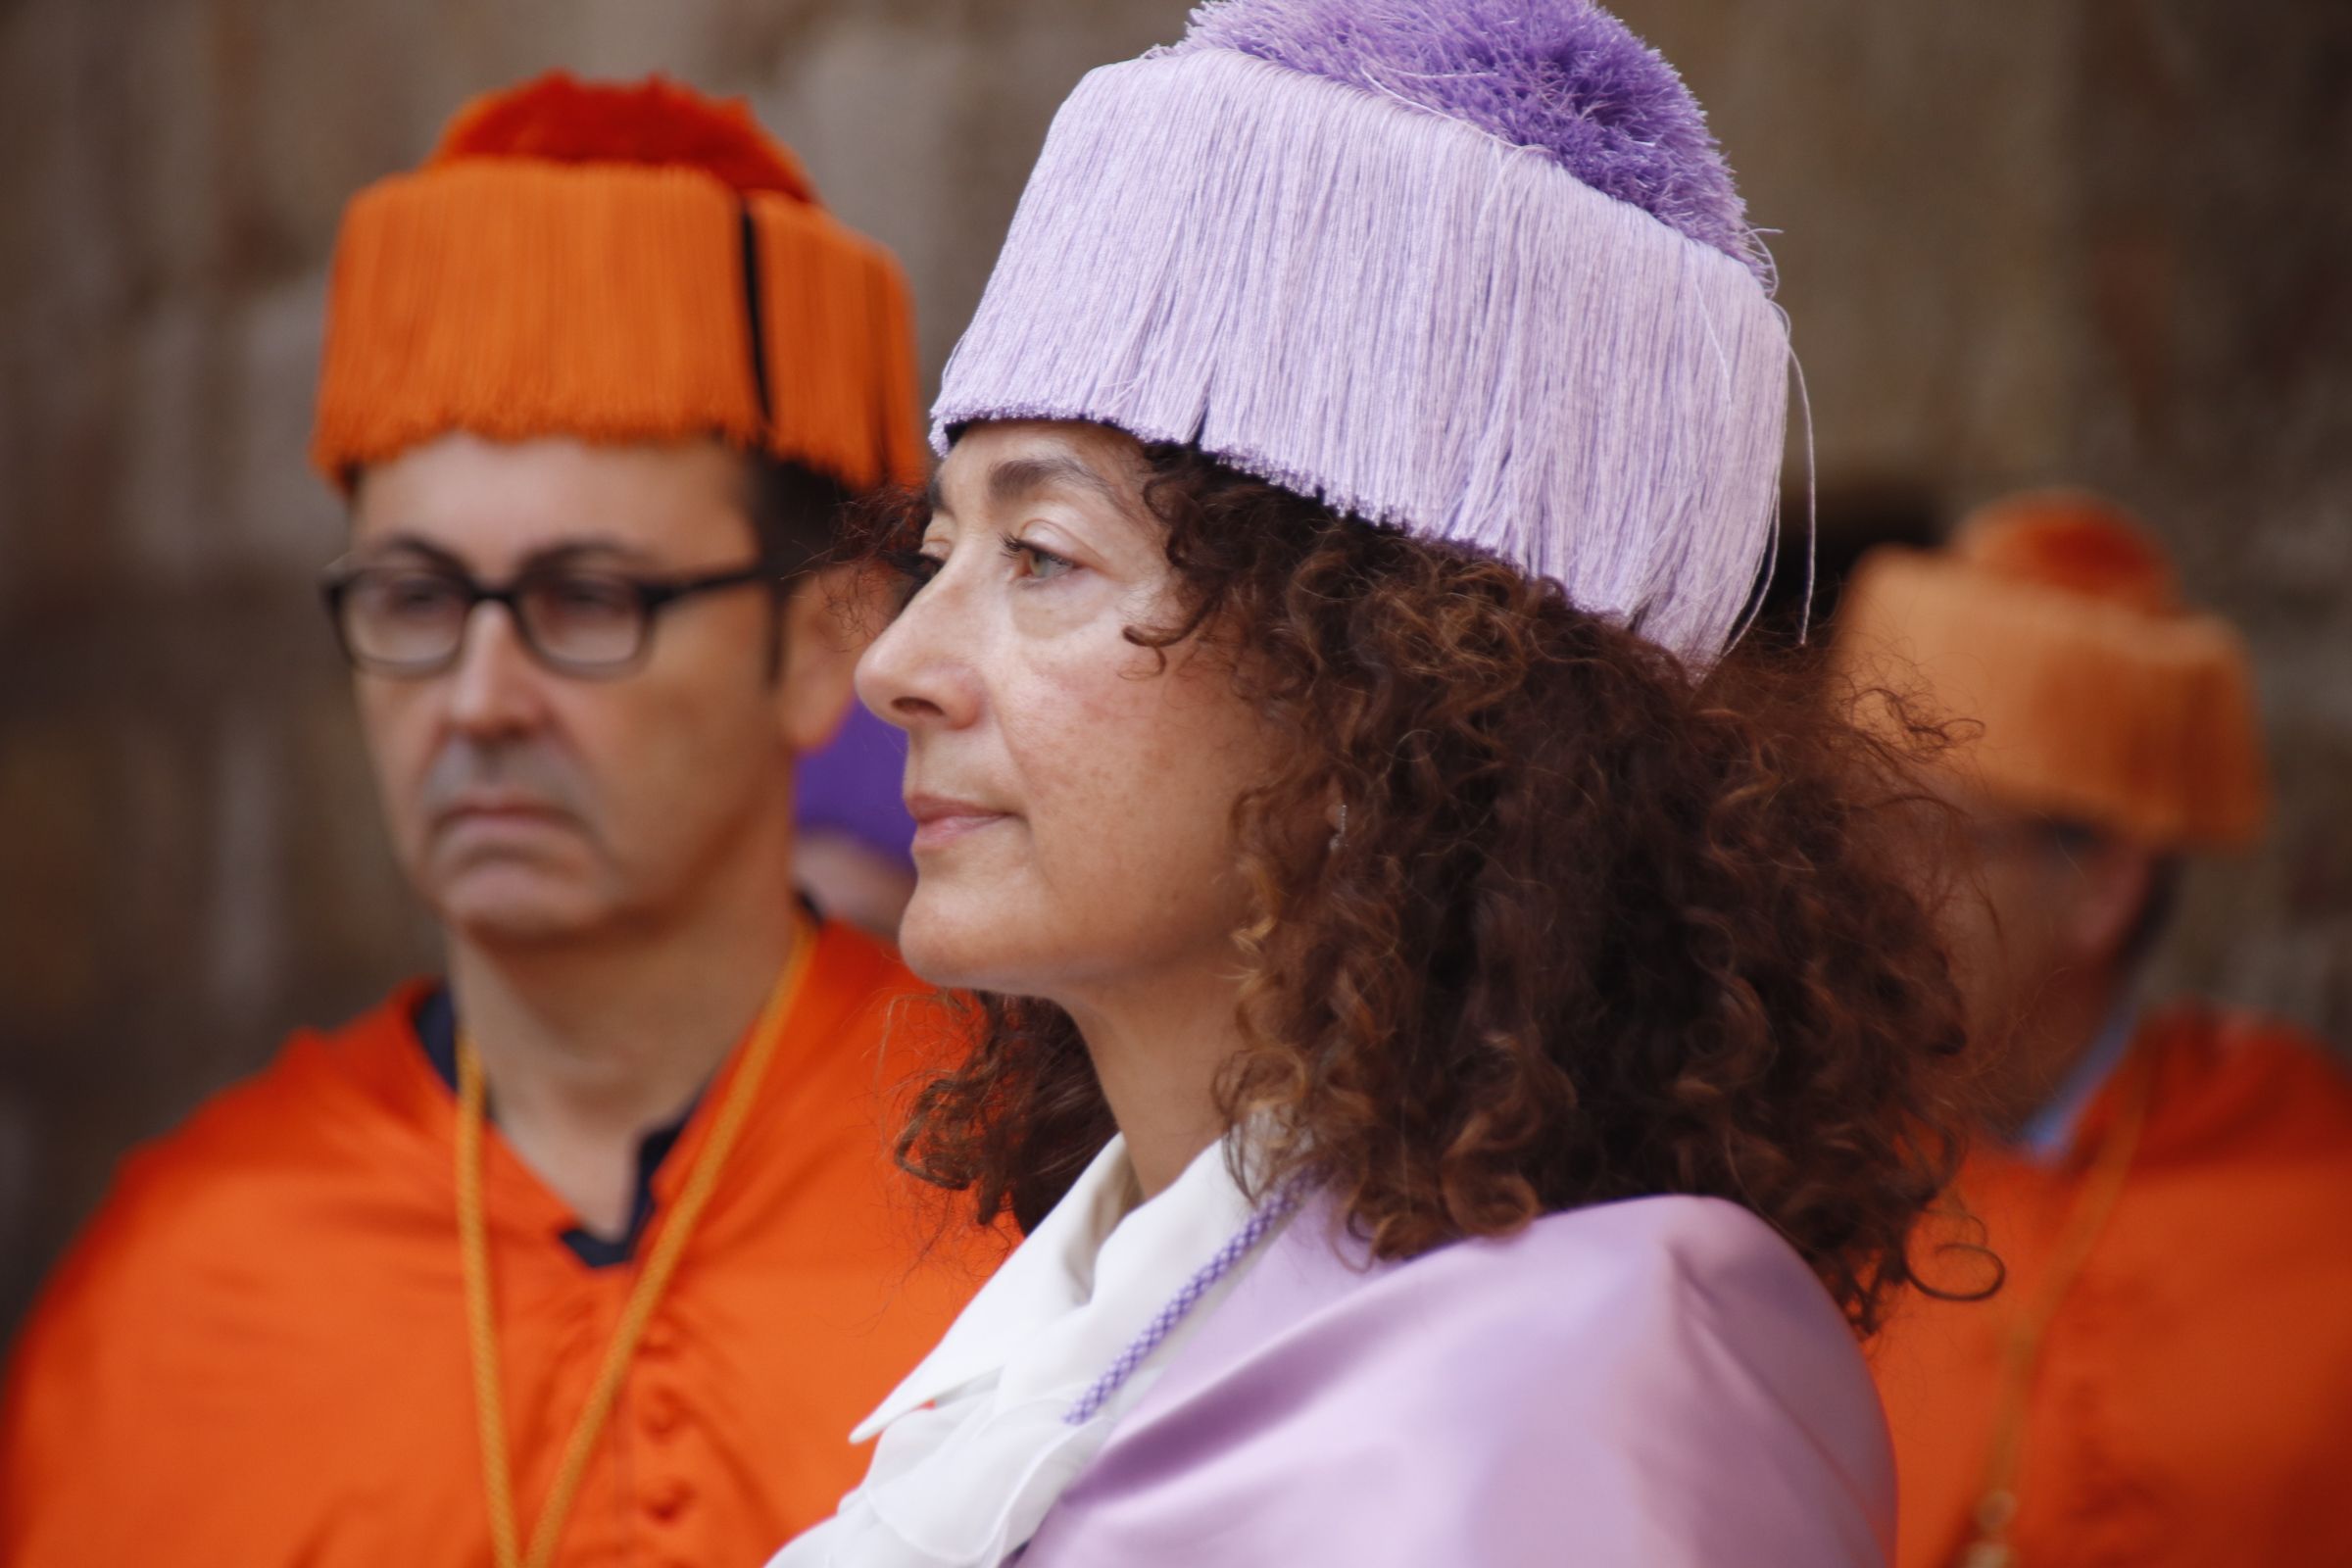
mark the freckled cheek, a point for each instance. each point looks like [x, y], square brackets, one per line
[1090, 753]
[1071, 766]
[1124, 780]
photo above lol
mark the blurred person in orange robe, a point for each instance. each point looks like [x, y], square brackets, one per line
[2165, 1376]
[594, 1252]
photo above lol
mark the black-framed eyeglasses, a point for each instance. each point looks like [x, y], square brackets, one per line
[409, 620]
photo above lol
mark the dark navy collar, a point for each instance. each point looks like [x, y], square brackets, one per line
[436, 1023]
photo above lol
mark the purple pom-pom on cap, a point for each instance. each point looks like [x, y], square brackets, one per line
[1562, 78]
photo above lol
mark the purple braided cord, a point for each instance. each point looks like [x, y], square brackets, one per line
[1270, 1214]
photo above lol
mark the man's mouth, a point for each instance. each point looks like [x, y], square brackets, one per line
[498, 810]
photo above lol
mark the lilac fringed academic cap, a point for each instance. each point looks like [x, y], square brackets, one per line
[1473, 268]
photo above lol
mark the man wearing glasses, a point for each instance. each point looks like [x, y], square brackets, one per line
[594, 1252]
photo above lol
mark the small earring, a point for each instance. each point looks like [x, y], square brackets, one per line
[1339, 827]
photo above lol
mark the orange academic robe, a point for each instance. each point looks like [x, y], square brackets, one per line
[257, 1356]
[2192, 1402]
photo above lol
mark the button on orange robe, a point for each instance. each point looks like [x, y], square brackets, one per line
[257, 1356]
[2193, 1399]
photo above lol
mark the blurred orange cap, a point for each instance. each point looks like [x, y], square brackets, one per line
[2052, 629]
[599, 261]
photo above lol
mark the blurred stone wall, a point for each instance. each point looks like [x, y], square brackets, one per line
[2098, 241]
[2022, 240]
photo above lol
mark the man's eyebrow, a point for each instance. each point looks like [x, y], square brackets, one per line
[570, 551]
[411, 545]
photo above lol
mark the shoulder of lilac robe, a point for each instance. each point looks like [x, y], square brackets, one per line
[1658, 1382]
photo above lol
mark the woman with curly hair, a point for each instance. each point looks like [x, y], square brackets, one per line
[1464, 1067]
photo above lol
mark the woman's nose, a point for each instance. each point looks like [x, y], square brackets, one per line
[918, 674]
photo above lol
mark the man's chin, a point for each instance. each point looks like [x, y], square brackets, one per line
[507, 906]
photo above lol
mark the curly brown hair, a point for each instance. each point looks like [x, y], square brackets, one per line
[1595, 927]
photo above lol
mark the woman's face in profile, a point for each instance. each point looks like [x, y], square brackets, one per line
[1073, 797]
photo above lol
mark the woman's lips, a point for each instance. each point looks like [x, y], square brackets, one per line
[940, 821]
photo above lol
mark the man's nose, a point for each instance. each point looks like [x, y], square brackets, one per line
[496, 686]
[920, 673]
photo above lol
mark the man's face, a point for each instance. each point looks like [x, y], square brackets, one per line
[2036, 927]
[528, 805]
[2007, 923]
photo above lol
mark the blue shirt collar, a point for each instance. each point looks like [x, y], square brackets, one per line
[2050, 1132]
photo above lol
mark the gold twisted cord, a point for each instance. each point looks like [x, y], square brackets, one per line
[2102, 1189]
[670, 1243]
[481, 1325]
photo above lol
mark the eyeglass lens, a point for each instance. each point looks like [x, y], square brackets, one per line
[415, 619]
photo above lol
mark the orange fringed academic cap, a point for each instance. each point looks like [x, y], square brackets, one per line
[622, 264]
[2054, 622]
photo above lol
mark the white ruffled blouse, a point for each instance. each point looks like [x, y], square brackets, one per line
[978, 1442]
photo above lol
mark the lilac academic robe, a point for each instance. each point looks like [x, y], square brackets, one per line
[1658, 1383]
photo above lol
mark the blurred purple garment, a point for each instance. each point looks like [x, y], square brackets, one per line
[852, 786]
[1660, 1382]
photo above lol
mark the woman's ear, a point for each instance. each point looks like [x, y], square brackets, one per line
[828, 618]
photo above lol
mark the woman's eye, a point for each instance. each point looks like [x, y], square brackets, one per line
[1036, 562]
[911, 569]
[915, 565]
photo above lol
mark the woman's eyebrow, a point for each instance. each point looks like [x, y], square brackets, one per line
[1017, 479]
